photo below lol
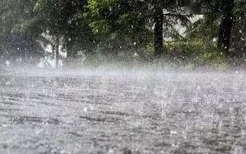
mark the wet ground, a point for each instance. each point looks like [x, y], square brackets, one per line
[123, 113]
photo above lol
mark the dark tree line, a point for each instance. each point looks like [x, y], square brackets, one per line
[119, 26]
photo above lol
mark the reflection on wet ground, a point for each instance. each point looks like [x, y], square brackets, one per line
[122, 113]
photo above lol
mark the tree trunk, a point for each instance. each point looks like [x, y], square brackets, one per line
[158, 32]
[226, 27]
[57, 51]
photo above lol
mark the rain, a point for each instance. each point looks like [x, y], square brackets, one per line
[122, 77]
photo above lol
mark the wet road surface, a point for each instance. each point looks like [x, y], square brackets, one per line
[123, 113]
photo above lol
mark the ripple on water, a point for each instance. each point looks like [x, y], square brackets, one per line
[31, 119]
[177, 113]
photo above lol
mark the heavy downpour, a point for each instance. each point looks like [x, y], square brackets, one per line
[122, 77]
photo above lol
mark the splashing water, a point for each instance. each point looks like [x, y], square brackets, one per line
[122, 112]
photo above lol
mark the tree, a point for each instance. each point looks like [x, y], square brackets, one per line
[136, 18]
[66, 27]
[14, 43]
[158, 30]
[52, 17]
[225, 27]
[238, 38]
[222, 10]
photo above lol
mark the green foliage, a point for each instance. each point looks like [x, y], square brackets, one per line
[205, 28]
[131, 22]
[120, 29]
[197, 52]
[58, 19]
[13, 12]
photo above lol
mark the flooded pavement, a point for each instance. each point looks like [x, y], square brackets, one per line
[123, 113]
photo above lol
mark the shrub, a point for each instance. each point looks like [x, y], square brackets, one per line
[194, 52]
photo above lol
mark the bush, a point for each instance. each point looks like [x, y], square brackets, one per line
[196, 53]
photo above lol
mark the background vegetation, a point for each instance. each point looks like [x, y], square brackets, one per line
[123, 31]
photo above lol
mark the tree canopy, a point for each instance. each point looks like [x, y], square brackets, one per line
[119, 27]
